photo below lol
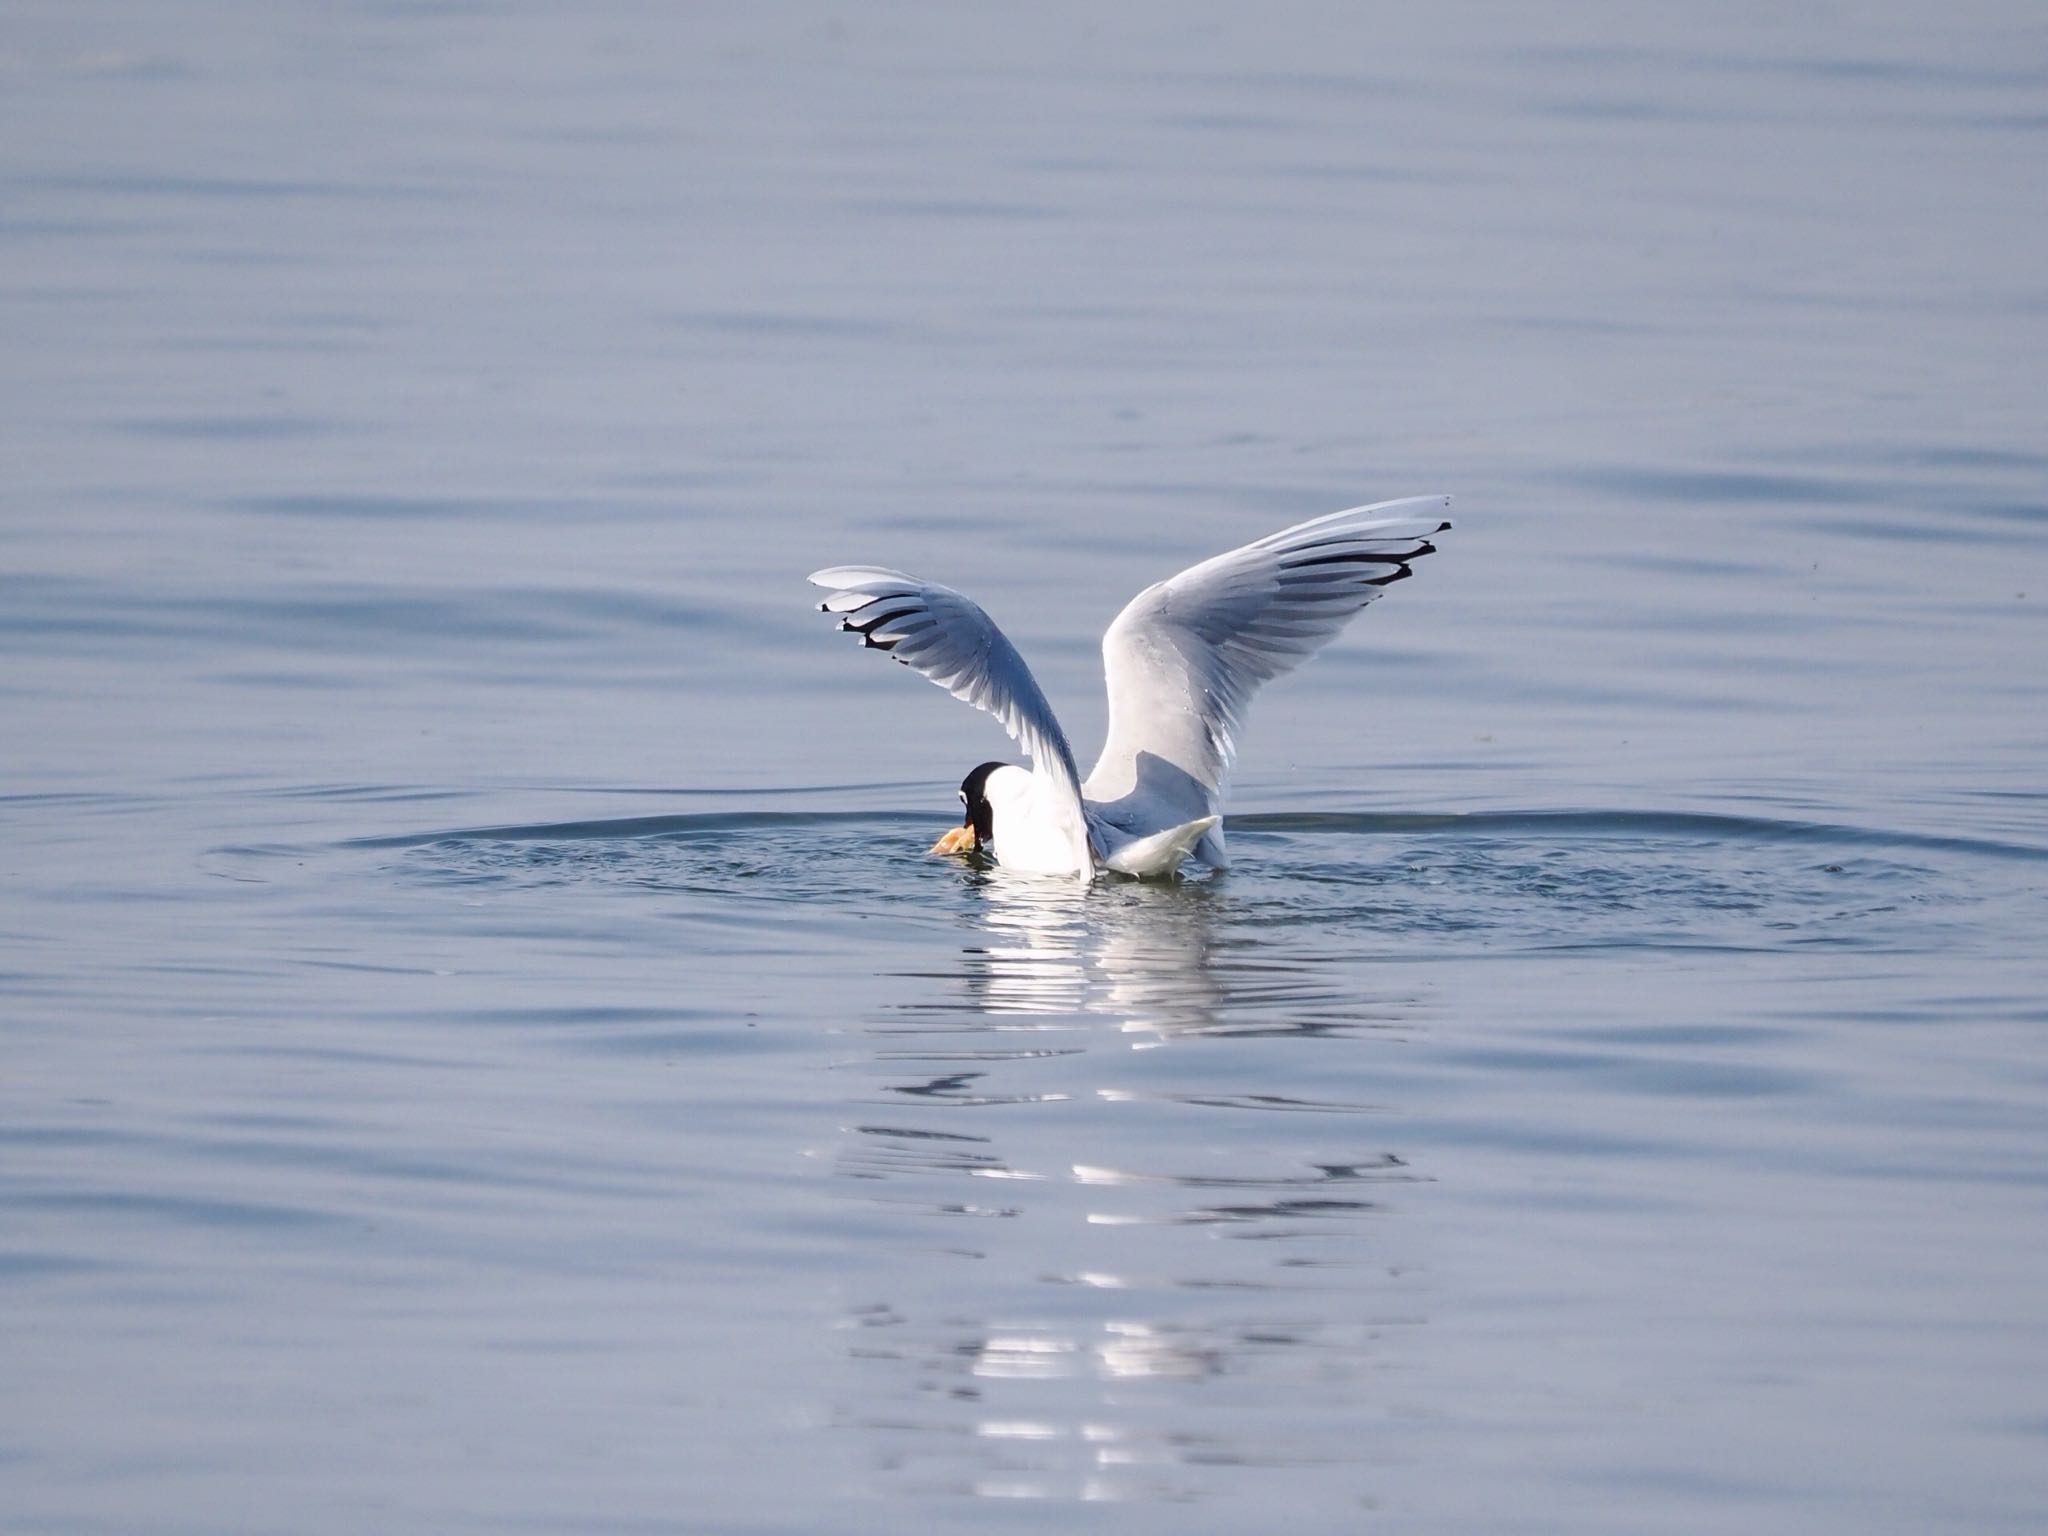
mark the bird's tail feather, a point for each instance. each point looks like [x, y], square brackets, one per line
[1161, 853]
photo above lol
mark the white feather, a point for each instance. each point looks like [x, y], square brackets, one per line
[1182, 661]
[1185, 657]
[947, 638]
[1162, 852]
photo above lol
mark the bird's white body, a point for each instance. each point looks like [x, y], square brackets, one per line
[1182, 662]
[1039, 831]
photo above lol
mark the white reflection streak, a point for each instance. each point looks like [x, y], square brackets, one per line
[1034, 1356]
[1067, 958]
[1011, 1429]
[1138, 955]
[1033, 963]
[1124, 1351]
[1139, 1349]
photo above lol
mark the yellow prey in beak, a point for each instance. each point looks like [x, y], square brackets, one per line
[956, 840]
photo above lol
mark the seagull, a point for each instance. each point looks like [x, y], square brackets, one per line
[1182, 662]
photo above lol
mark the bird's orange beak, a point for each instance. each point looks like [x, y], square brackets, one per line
[956, 840]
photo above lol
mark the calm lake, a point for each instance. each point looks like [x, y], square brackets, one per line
[485, 1048]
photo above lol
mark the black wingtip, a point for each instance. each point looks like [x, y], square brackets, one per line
[867, 625]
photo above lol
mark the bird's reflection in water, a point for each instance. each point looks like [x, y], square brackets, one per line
[1133, 1200]
[1163, 960]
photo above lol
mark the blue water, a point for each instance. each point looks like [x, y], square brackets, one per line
[485, 1048]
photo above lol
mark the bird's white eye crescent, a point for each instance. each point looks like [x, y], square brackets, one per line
[963, 797]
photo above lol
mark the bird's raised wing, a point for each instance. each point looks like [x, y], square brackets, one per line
[947, 637]
[1185, 656]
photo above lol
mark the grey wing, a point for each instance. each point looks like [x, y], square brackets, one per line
[946, 637]
[1185, 657]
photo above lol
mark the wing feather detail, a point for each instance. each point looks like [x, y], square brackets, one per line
[945, 636]
[1186, 656]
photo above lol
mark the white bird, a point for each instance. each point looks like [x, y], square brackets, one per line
[1182, 662]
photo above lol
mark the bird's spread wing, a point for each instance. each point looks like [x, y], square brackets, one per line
[947, 637]
[1185, 656]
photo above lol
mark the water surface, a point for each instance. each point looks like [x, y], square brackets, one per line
[485, 1047]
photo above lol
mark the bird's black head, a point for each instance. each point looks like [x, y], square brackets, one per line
[980, 814]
